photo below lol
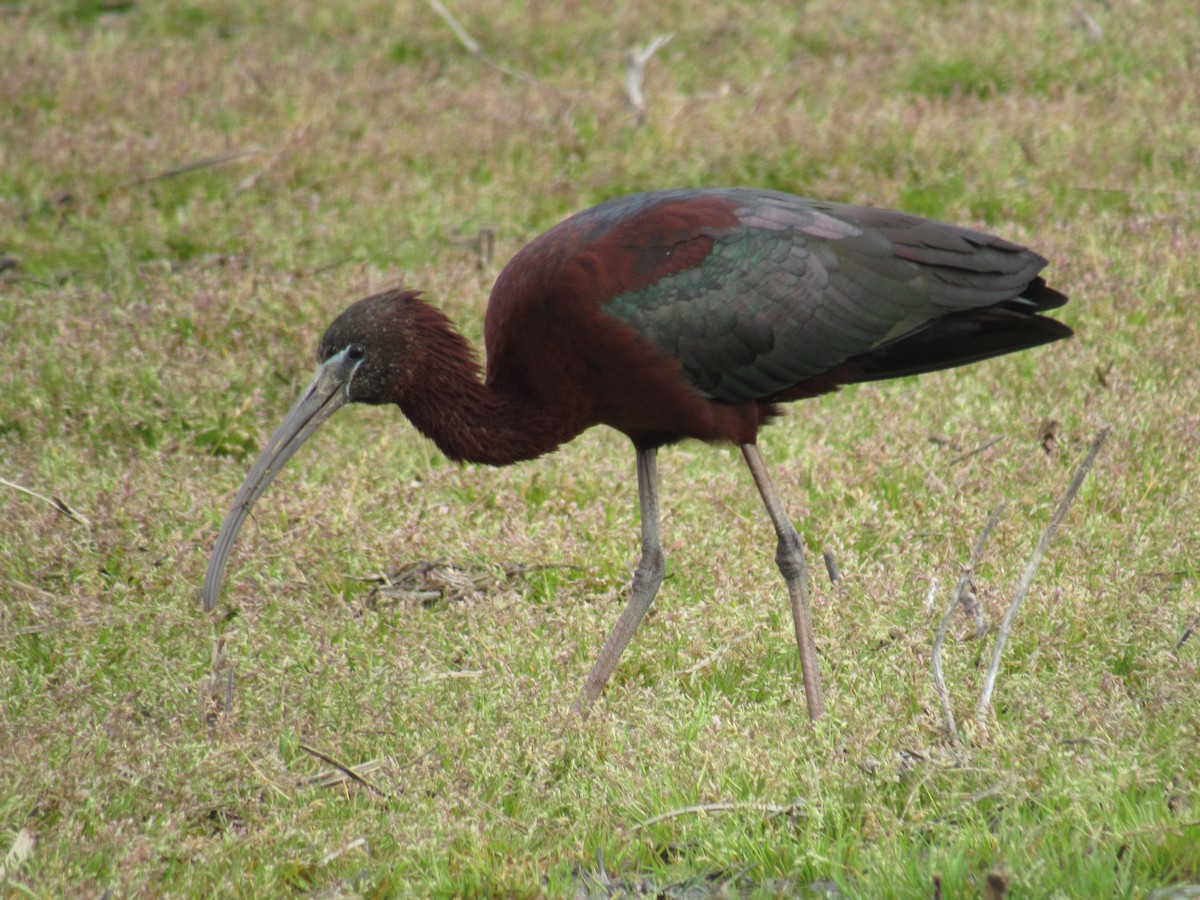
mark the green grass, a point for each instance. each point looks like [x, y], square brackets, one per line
[155, 327]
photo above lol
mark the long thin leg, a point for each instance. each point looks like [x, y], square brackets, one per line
[646, 578]
[789, 556]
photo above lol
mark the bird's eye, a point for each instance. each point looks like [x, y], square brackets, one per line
[356, 352]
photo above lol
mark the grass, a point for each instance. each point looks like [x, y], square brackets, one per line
[156, 326]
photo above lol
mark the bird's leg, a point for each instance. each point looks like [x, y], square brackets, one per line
[646, 578]
[789, 556]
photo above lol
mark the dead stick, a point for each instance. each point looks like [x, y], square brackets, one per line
[193, 166]
[769, 808]
[61, 505]
[348, 770]
[835, 577]
[635, 75]
[989, 682]
[459, 32]
[938, 681]
[1188, 630]
[964, 591]
[962, 457]
[473, 48]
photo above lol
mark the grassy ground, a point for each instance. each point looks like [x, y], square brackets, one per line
[157, 317]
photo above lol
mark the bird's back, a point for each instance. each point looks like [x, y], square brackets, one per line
[657, 311]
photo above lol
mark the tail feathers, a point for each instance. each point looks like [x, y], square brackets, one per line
[963, 338]
[1038, 297]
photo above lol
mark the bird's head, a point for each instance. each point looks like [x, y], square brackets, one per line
[362, 358]
[370, 344]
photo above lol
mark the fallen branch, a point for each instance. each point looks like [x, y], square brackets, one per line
[61, 505]
[1060, 513]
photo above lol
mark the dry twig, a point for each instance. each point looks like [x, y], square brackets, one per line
[1091, 27]
[355, 844]
[61, 505]
[1188, 631]
[483, 243]
[430, 581]
[18, 854]
[719, 652]
[938, 681]
[972, 607]
[46, 595]
[931, 596]
[351, 772]
[258, 771]
[964, 591]
[635, 75]
[335, 776]
[216, 695]
[991, 442]
[835, 577]
[459, 32]
[205, 163]
[506, 819]
[770, 808]
[1060, 513]
[959, 595]
[472, 46]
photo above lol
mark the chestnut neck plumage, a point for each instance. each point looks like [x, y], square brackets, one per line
[444, 396]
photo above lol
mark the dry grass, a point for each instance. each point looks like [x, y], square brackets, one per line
[156, 323]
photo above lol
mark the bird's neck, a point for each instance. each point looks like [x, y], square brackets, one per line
[468, 420]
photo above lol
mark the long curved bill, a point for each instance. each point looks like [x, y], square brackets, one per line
[328, 391]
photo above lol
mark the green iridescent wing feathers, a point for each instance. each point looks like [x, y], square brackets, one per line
[802, 286]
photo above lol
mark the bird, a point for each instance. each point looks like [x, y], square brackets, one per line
[671, 315]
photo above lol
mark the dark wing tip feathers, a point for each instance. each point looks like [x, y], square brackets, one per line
[988, 289]
[1042, 296]
[959, 339]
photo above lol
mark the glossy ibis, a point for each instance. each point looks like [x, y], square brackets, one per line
[671, 315]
